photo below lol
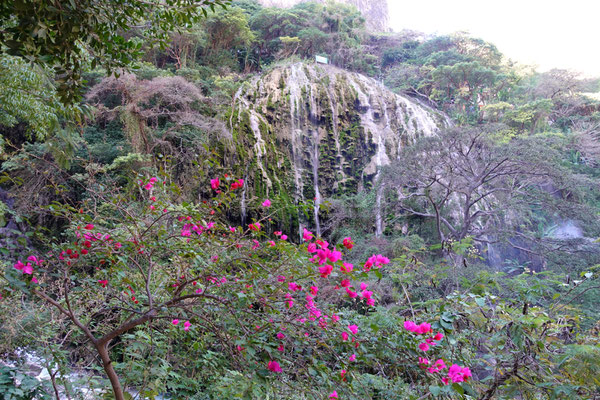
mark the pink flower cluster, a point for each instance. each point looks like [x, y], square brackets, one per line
[150, 184]
[27, 269]
[455, 373]
[376, 261]
[423, 329]
[237, 184]
[186, 324]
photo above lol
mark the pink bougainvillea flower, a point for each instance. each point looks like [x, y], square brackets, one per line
[352, 357]
[438, 366]
[33, 279]
[410, 326]
[28, 269]
[280, 336]
[371, 301]
[37, 261]
[280, 348]
[314, 290]
[334, 256]
[186, 325]
[103, 282]
[344, 336]
[280, 278]
[19, 265]
[423, 361]
[237, 184]
[424, 346]
[348, 243]
[335, 318]
[322, 255]
[294, 287]
[175, 321]
[323, 243]
[274, 366]
[232, 229]
[363, 286]
[325, 270]
[89, 227]
[423, 328]
[353, 329]
[346, 268]
[439, 336]
[277, 233]
[284, 237]
[457, 373]
[351, 293]
[214, 183]
[366, 294]
[307, 235]
[254, 227]
[343, 374]
[271, 243]
[266, 203]
[333, 395]
[312, 248]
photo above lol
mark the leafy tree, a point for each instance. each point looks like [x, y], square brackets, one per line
[28, 97]
[69, 36]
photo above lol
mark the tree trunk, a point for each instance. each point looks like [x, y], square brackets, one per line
[110, 371]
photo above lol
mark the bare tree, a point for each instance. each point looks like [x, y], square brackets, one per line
[473, 182]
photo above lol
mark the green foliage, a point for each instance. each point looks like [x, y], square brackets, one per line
[70, 36]
[28, 387]
[28, 97]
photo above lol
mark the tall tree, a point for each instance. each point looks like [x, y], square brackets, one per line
[67, 35]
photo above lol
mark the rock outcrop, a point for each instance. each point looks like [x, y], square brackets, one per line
[316, 131]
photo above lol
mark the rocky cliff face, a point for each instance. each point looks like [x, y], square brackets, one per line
[374, 11]
[317, 131]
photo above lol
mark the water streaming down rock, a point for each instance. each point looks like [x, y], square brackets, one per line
[335, 128]
[315, 169]
[243, 212]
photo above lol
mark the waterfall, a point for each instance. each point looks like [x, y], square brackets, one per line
[243, 201]
[419, 119]
[308, 93]
[294, 81]
[378, 212]
[336, 133]
[259, 147]
[378, 134]
[315, 170]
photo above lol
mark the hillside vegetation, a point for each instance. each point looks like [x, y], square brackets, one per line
[192, 208]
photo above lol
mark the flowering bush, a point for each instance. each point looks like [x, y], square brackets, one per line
[268, 307]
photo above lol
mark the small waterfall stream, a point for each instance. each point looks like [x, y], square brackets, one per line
[315, 170]
[296, 81]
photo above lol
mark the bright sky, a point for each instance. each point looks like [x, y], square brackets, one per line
[546, 33]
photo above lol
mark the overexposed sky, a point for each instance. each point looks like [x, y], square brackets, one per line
[549, 34]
